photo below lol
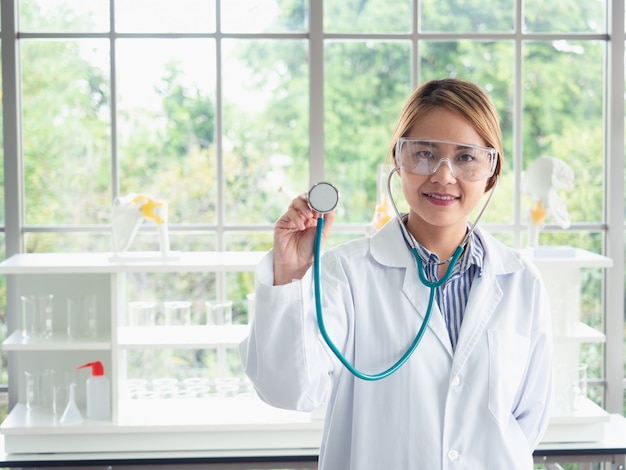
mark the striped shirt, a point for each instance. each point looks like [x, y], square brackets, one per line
[452, 296]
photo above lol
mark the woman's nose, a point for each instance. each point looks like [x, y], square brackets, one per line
[446, 174]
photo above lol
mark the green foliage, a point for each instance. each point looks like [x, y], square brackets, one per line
[365, 87]
[459, 16]
[367, 16]
[564, 16]
[190, 116]
[268, 148]
[365, 84]
[65, 134]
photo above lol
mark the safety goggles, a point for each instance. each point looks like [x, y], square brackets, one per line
[466, 162]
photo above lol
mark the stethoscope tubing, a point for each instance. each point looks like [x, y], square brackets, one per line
[422, 276]
[418, 338]
[320, 318]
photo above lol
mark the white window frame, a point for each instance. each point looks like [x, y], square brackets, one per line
[614, 228]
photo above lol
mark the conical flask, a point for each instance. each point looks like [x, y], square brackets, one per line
[71, 415]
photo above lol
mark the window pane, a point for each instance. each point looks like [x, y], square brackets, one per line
[166, 128]
[249, 241]
[66, 125]
[2, 189]
[189, 240]
[467, 16]
[372, 16]
[165, 16]
[62, 242]
[64, 15]
[591, 241]
[563, 118]
[238, 287]
[366, 84]
[193, 287]
[175, 364]
[490, 65]
[264, 16]
[565, 16]
[266, 127]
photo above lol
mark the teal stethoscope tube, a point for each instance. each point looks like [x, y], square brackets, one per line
[431, 299]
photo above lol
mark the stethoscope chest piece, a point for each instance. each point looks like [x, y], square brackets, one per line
[323, 197]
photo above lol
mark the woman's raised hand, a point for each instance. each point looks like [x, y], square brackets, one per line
[294, 238]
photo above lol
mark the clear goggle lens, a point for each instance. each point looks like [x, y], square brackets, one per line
[466, 162]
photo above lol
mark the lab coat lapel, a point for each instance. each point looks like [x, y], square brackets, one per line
[484, 297]
[418, 294]
[388, 248]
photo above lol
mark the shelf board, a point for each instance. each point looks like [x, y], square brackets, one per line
[587, 412]
[155, 414]
[17, 342]
[586, 424]
[181, 337]
[162, 425]
[243, 410]
[200, 261]
[566, 257]
[581, 333]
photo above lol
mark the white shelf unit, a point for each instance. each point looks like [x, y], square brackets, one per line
[219, 423]
[234, 424]
[578, 420]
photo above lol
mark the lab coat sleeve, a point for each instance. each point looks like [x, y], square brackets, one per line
[282, 355]
[533, 401]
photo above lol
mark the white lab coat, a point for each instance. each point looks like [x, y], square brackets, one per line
[485, 406]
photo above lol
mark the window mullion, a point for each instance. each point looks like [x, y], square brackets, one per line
[316, 90]
[614, 197]
[13, 169]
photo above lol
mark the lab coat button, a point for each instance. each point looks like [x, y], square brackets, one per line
[456, 381]
[453, 454]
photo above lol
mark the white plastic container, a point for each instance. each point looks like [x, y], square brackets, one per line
[98, 392]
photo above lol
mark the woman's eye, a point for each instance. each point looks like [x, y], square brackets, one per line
[424, 155]
[465, 158]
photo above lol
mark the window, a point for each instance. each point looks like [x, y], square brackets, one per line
[225, 109]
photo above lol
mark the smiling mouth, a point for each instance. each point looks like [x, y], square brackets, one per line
[441, 197]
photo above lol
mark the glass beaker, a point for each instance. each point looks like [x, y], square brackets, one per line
[37, 316]
[197, 387]
[219, 312]
[177, 312]
[142, 313]
[167, 387]
[39, 390]
[82, 317]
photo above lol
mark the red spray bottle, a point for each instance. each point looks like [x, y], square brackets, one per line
[98, 392]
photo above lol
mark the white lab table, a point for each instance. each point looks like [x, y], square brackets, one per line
[611, 449]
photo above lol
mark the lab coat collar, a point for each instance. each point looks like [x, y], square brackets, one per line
[389, 249]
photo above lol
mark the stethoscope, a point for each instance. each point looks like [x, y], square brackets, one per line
[323, 197]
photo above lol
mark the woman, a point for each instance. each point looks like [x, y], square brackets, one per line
[475, 394]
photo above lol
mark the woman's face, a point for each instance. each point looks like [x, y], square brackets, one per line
[440, 201]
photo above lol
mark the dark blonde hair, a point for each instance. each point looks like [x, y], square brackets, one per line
[458, 96]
